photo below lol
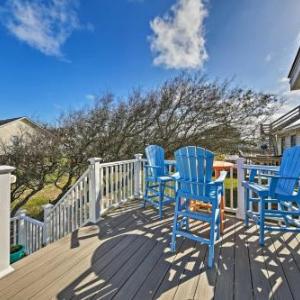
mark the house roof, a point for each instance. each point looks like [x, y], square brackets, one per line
[36, 125]
[293, 126]
[3, 122]
[294, 74]
[294, 63]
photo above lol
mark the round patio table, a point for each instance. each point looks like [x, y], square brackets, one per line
[220, 165]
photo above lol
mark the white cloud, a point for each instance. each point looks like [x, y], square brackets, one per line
[44, 25]
[178, 37]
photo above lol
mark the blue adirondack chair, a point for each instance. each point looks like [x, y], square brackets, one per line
[195, 168]
[157, 179]
[282, 195]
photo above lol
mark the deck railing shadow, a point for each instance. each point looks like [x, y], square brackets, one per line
[129, 236]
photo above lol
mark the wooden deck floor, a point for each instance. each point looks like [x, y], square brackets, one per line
[126, 256]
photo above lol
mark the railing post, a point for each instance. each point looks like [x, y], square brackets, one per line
[240, 190]
[47, 234]
[5, 188]
[137, 176]
[94, 190]
[22, 230]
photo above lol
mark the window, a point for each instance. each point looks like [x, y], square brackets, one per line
[293, 140]
[282, 144]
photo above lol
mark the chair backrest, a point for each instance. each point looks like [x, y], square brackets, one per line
[195, 167]
[156, 157]
[290, 167]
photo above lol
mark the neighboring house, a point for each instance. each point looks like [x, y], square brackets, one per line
[285, 131]
[11, 128]
[288, 137]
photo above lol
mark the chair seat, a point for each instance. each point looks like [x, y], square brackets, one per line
[207, 198]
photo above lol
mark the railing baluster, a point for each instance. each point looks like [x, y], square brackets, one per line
[76, 206]
[122, 182]
[107, 187]
[231, 188]
[132, 180]
[111, 186]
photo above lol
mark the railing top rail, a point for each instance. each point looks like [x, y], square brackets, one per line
[33, 221]
[115, 163]
[28, 219]
[71, 189]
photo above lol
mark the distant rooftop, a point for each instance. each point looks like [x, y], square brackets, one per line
[2, 122]
[294, 74]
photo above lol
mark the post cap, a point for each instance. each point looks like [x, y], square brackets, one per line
[21, 212]
[6, 169]
[138, 156]
[47, 206]
[93, 160]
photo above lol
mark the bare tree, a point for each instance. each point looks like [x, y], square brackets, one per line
[186, 110]
[36, 159]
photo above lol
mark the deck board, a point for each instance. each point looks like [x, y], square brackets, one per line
[242, 278]
[126, 256]
[224, 288]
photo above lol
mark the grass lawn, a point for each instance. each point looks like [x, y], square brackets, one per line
[34, 207]
[50, 192]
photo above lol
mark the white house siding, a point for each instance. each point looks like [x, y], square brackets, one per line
[287, 135]
[16, 128]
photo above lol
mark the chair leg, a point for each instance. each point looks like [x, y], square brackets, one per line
[173, 242]
[246, 207]
[218, 226]
[211, 255]
[222, 214]
[146, 193]
[161, 198]
[187, 221]
[211, 252]
[262, 223]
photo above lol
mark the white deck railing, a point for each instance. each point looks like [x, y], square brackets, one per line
[69, 213]
[117, 182]
[104, 186]
[27, 232]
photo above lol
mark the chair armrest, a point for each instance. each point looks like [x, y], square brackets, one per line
[261, 190]
[221, 178]
[176, 176]
[152, 167]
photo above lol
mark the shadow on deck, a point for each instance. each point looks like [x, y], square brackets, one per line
[126, 256]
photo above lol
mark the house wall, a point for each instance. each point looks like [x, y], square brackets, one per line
[287, 135]
[15, 128]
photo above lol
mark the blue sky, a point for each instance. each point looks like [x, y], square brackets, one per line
[58, 54]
